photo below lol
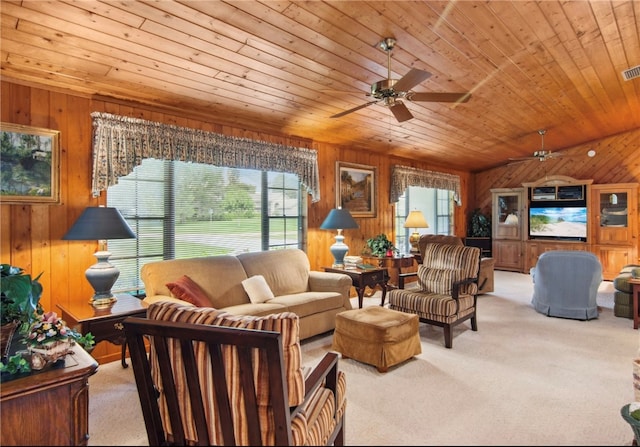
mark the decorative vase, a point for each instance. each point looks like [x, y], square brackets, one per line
[48, 352]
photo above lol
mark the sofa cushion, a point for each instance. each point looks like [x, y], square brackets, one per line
[220, 277]
[286, 271]
[186, 289]
[257, 289]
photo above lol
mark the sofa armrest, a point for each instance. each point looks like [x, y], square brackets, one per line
[331, 282]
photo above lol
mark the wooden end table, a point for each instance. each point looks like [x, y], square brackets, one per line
[635, 296]
[104, 323]
[394, 265]
[363, 278]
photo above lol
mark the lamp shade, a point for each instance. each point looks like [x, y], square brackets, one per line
[416, 219]
[339, 219]
[101, 223]
[98, 223]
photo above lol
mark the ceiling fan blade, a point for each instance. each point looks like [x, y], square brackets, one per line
[410, 80]
[400, 111]
[346, 112]
[438, 97]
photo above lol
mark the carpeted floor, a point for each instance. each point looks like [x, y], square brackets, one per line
[521, 379]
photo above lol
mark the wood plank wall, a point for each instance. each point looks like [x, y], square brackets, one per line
[617, 160]
[30, 235]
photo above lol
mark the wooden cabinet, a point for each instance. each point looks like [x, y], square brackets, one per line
[533, 250]
[49, 407]
[613, 258]
[612, 221]
[508, 255]
[508, 227]
[613, 211]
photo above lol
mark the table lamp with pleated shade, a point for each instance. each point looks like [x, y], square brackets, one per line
[339, 219]
[101, 223]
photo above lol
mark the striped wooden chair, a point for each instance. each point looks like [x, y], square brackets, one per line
[447, 289]
[212, 378]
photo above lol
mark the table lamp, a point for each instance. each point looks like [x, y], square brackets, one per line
[339, 219]
[100, 223]
[415, 220]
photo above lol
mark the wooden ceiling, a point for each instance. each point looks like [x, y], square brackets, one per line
[285, 67]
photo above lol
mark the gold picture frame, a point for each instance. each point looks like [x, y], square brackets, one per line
[356, 189]
[30, 158]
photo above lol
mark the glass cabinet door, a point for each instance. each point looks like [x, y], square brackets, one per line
[507, 214]
[613, 209]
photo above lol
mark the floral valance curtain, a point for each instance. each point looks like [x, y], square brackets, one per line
[120, 144]
[405, 176]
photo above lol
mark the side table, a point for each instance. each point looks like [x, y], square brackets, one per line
[49, 407]
[104, 323]
[635, 296]
[394, 265]
[363, 278]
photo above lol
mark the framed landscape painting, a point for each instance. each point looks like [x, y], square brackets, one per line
[29, 160]
[356, 189]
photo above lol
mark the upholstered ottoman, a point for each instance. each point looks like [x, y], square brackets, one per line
[377, 336]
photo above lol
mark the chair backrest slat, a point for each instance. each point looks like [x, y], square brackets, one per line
[230, 351]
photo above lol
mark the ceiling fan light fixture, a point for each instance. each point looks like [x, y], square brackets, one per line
[389, 90]
[387, 44]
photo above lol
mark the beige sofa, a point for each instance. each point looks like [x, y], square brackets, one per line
[316, 297]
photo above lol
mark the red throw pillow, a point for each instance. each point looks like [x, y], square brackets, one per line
[185, 289]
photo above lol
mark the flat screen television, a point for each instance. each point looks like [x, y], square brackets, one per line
[562, 222]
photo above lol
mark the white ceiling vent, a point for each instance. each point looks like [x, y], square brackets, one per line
[631, 73]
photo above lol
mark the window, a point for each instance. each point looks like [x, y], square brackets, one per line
[436, 206]
[184, 210]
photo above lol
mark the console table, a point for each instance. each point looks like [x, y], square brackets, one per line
[49, 407]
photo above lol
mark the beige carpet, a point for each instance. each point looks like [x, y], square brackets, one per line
[522, 379]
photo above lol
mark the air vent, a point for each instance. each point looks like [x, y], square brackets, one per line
[631, 73]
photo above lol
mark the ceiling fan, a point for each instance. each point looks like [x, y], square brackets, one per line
[390, 92]
[542, 154]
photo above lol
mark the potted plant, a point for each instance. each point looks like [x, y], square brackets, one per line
[20, 302]
[381, 246]
[20, 309]
[479, 224]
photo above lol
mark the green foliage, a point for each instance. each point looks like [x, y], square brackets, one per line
[479, 224]
[87, 341]
[380, 244]
[20, 296]
[15, 364]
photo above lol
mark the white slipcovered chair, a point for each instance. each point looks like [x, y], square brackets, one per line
[565, 284]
